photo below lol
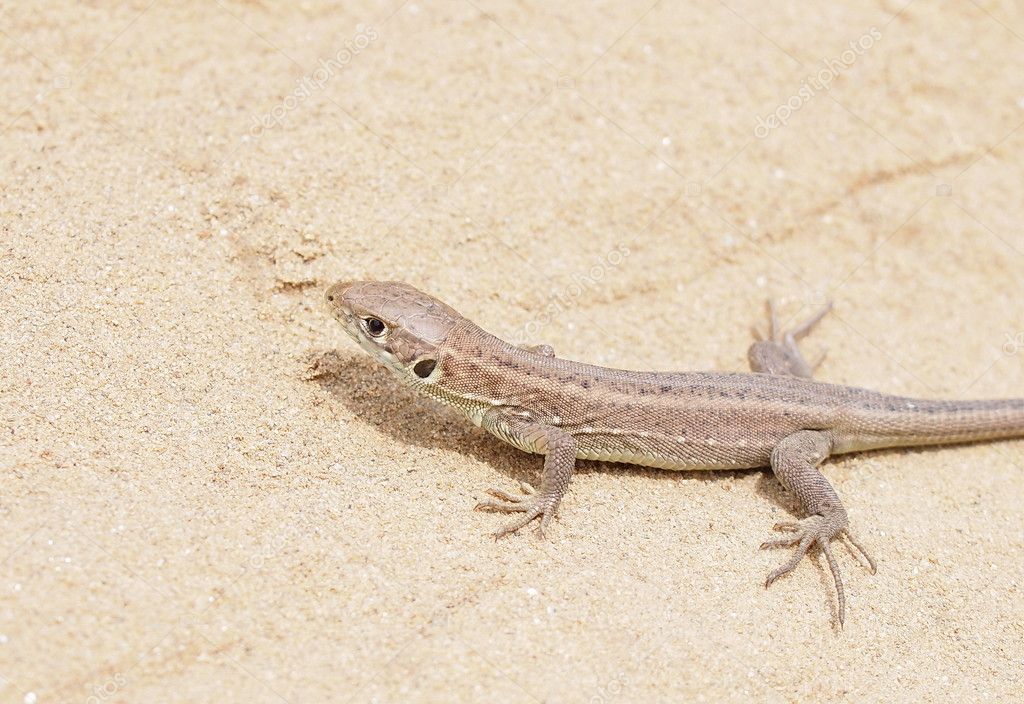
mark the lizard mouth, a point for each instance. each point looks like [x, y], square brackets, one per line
[350, 324]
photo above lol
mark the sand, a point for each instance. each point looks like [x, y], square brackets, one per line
[208, 493]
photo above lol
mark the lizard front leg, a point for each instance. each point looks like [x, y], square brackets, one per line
[559, 449]
[779, 354]
[795, 462]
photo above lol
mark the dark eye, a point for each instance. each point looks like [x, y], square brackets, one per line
[375, 327]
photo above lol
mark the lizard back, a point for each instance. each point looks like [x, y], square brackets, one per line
[696, 420]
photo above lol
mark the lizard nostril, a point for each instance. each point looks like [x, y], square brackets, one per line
[336, 292]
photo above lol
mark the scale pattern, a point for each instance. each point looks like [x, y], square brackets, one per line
[696, 420]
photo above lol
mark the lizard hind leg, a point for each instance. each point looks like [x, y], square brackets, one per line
[795, 463]
[780, 354]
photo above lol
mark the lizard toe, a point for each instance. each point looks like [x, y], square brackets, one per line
[817, 530]
[780, 543]
[787, 526]
[503, 495]
[531, 506]
[501, 506]
[531, 514]
[507, 502]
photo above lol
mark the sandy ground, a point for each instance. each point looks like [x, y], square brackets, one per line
[209, 494]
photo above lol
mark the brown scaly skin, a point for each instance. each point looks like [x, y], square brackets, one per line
[567, 410]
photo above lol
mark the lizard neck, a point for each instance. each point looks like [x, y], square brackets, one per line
[474, 368]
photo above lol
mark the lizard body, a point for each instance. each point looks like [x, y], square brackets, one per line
[693, 420]
[569, 410]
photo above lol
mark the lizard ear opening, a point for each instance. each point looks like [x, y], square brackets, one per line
[424, 367]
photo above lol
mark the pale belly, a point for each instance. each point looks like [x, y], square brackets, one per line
[672, 452]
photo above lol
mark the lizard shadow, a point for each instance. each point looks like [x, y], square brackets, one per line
[376, 398]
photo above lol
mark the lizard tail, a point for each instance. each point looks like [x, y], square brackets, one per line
[913, 422]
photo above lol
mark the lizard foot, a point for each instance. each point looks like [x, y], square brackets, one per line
[530, 503]
[779, 354]
[815, 530]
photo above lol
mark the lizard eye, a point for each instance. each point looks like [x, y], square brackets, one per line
[374, 326]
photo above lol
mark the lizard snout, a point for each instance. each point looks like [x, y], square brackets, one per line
[337, 291]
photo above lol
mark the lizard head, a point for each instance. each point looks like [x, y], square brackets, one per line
[395, 323]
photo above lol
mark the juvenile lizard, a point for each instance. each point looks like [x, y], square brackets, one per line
[565, 410]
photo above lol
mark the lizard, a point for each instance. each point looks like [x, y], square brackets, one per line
[776, 416]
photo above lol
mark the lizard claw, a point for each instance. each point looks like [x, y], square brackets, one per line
[529, 503]
[815, 530]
